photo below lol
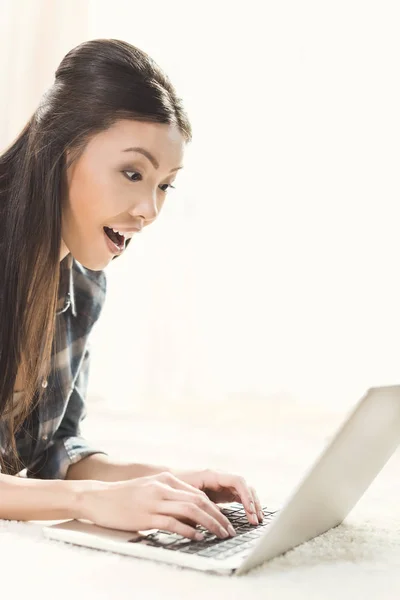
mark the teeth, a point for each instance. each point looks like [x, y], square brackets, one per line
[116, 231]
[122, 243]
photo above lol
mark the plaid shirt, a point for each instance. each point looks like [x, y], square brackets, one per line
[50, 440]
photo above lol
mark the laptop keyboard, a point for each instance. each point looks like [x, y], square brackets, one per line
[212, 546]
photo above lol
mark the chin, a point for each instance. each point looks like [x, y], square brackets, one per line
[96, 265]
[93, 262]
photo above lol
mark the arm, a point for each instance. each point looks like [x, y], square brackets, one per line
[103, 468]
[70, 456]
[67, 445]
[85, 462]
[23, 499]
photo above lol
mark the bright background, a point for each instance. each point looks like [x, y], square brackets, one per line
[270, 280]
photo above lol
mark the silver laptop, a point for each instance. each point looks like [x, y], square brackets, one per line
[321, 501]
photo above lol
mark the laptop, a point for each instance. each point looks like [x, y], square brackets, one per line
[324, 497]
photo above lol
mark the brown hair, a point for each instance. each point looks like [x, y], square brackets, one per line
[97, 83]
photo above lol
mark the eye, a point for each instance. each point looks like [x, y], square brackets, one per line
[135, 174]
[131, 178]
[168, 186]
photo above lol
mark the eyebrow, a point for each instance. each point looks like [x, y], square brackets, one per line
[148, 155]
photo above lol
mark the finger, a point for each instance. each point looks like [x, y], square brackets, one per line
[194, 512]
[172, 481]
[169, 523]
[206, 505]
[239, 484]
[257, 503]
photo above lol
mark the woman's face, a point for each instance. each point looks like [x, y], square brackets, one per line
[110, 186]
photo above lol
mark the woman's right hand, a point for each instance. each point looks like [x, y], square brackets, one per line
[161, 501]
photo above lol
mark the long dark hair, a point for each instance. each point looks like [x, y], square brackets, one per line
[97, 83]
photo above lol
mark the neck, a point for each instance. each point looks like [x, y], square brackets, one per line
[64, 250]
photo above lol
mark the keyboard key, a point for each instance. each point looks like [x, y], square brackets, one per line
[213, 546]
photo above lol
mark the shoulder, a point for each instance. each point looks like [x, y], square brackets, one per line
[90, 288]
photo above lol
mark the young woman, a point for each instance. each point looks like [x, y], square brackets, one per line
[90, 169]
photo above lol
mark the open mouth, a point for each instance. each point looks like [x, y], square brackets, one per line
[116, 238]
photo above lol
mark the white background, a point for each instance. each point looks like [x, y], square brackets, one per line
[270, 281]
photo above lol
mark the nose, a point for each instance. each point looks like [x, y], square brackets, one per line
[146, 207]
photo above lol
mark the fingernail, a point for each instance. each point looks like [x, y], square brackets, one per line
[224, 532]
[255, 518]
[260, 516]
[231, 530]
[252, 507]
[199, 536]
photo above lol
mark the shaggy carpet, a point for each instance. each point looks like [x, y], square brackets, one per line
[358, 559]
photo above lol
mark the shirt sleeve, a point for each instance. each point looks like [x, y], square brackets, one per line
[67, 445]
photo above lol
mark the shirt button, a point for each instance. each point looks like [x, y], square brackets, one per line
[44, 383]
[44, 437]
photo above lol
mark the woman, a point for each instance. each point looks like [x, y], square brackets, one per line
[90, 169]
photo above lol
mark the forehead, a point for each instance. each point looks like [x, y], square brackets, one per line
[164, 141]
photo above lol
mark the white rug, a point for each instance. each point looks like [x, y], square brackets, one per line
[359, 559]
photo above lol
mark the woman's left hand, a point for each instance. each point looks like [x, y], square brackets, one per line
[225, 487]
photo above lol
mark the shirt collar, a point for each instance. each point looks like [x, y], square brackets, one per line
[66, 296]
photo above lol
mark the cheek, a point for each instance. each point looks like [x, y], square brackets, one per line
[90, 195]
[161, 200]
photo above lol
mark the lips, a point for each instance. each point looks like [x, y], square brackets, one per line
[116, 238]
[127, 230]
[112, 247]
